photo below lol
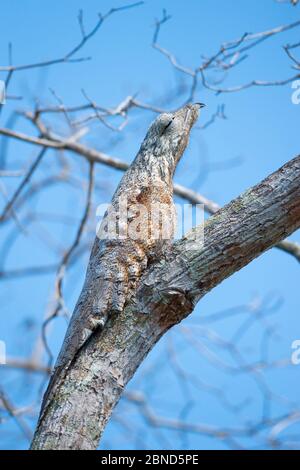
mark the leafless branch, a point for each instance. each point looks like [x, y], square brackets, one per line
[64, 263]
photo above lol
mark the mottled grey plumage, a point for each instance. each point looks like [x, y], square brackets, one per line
[116, 264]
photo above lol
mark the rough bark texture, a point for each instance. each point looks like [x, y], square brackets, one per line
[166, 292]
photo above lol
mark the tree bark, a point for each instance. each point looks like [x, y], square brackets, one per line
[167, 292]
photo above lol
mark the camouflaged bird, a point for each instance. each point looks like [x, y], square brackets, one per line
[130, 235]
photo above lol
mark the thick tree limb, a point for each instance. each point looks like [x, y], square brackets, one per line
[166, 294]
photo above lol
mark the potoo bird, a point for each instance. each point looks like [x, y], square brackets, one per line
[136, 228]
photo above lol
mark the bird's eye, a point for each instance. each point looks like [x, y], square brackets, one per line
[168, 125]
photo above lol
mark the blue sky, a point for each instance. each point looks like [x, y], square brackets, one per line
[260, 134]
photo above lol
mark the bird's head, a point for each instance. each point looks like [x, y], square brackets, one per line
[168, 135]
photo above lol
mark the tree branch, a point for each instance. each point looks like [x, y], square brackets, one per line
[166, 294]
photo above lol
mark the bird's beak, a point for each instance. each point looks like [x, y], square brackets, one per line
[201, 105]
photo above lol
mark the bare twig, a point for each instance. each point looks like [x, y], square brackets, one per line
[25, 180]
[69, 56]
[229, 55]
[64, 263]
[7, 404]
